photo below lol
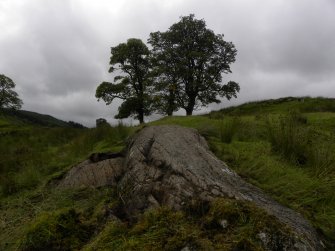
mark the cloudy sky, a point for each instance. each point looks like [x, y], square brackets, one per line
[57, 51]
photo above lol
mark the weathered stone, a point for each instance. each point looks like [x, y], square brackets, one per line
[224, 223]
[172, 165]
[98, 174]
[185, 249]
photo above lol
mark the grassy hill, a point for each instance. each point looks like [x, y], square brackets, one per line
[12, 118]
[284, 146]
[303, 104]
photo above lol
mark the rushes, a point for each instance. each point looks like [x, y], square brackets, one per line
[228, 128]
[289, 137]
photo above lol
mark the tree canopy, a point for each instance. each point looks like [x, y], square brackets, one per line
[131, 59]
[190, 60]
[184, 69]
[8, 97]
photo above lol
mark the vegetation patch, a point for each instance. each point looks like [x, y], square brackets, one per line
[31, 156]
[64, 230]
[225, 225]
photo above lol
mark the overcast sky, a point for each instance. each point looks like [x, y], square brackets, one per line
[57, 51]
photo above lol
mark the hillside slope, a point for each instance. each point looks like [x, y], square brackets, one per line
[303, 104]
[9, 117]
[286, 151]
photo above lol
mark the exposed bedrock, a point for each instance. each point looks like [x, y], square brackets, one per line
[171, 165]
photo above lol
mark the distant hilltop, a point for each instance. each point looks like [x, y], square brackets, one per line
[22, 117]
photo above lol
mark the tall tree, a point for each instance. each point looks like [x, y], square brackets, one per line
[165, 73]
[131, 59]
[8, 97]
[192, 59]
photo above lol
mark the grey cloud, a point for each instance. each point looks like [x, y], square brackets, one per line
[57, 52]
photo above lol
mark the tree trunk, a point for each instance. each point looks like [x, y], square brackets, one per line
[171, 101]
[189, 109]
[189, 112]
[190, 106]
[141, 104]
[141, 117]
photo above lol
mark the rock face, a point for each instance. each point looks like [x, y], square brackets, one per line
[170, 165]
[89, 173]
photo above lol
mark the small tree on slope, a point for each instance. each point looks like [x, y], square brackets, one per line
[8, 97]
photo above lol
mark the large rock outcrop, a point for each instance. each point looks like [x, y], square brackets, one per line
[171, 165]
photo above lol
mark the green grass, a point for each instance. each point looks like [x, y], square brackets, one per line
[29, 156]
[21, 117]
[261, 141]
[25, 217]
[165, 229]
[291, 157]
[304, 104]
[287, 183]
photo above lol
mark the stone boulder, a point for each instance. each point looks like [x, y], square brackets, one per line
[94, 174]
[171, 165]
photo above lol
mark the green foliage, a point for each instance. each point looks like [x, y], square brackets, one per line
[243, 223]
[133, 86]
[321, 159]
[288, 183]
[288, 137]
[290, 155]
[21, 117]
[26, 216]
[228, 128]
[57, 231]
[189, 61]
[303, 104]
[29, 155]
[31, 159]
[8, 97]
[165, 229]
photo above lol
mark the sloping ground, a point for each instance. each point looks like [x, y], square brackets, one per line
[303, 104]
[22, 117]
[173, 166]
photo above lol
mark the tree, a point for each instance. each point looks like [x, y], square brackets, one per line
[133, 86]
[165, 78]
[8, 97]
[191, 60]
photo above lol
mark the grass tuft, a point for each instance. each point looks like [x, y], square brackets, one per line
[288, 137]
[290, 155]
[64, 230]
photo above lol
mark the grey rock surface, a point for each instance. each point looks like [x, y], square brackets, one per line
[171, 165]
[88, 173]
[174, 164]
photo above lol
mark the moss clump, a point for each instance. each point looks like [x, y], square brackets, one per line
[157, 229]
[239, 225]
[199, 227]
[62, 230]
